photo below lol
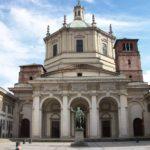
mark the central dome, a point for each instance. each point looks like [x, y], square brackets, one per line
[78, 24]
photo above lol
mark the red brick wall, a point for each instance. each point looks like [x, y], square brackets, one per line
[26, 72]
[128, 63]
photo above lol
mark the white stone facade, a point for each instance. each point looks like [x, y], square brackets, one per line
[113, 105]
[7, 104]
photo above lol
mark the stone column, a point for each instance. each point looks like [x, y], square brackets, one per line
[36, 117]
[123, 117]
[94, 118]
[65, 118]
[16, 123]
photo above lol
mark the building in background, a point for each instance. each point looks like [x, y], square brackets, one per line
[7, 105]
[88, 68]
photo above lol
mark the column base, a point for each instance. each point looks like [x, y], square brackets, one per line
[123, 136]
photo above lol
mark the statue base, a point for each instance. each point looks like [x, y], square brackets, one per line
[79, 139]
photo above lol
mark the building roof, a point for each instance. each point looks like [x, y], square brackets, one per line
[125, 39]
[32, 65]
[4, 92]
[78, 24]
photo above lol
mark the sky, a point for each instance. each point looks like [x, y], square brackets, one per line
[23, 26]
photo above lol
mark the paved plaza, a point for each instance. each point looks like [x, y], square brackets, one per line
[145, 145]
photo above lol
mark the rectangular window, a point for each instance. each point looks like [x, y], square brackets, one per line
[4, 107]
[79, 46]
[9, 109]
[79, 74]
[4, 124]
[105, 49]
[55, 51]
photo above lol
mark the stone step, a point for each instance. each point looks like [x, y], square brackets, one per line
[117, 139]
[42, 140]
[72, 139]
[4, 140]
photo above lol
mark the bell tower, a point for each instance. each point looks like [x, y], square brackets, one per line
[128, 59]
[78, 11]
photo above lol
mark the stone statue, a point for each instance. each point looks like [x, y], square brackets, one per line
[79, 118]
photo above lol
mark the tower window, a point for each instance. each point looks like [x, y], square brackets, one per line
[30, 78]
[130, 77]
[79, 74]
[55, 51]
[79, 46]
[79, 13]
[131, 46]
[124, 46]
[127, 47]
[75, 13]
[129, 62]
[105, 49]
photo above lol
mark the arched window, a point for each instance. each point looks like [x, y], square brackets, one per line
[124, 46]
[131, 46]
[127, 47]
[104, 47]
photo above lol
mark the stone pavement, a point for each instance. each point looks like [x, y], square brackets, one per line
[145, 145]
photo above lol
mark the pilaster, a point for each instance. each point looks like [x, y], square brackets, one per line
[36, 117]
[94, 118]
[123, 118]
[65, 118]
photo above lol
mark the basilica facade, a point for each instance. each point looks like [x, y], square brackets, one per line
[89, 68]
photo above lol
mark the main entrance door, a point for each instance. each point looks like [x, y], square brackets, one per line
[55, 129]
[106, 128]
[138, 127]
[25, 128]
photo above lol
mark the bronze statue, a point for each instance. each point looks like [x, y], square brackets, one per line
[79, 118]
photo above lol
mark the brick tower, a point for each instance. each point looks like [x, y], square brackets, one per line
[128, 59]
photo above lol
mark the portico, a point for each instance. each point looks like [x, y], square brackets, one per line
[105, 111]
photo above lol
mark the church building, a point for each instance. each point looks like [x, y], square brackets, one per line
[89, 68]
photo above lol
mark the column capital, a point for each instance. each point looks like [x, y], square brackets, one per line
[36, 94]
[93, 93]
[65, 93]
[123, 94]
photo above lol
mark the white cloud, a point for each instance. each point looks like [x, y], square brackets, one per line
[31, 25]
[121, 23]
[146, 76]
[14, 52]
[34, 23]
[89, 1]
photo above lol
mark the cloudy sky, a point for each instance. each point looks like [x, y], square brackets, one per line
[23, 25]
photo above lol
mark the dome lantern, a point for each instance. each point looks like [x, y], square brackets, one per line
[78, 11]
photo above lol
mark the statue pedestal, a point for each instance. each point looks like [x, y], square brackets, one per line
[79, 139]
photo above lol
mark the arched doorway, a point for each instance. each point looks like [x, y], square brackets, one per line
[51, 118]
[25, 128]
[84, 106]
[138, 127]
[108, 110]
